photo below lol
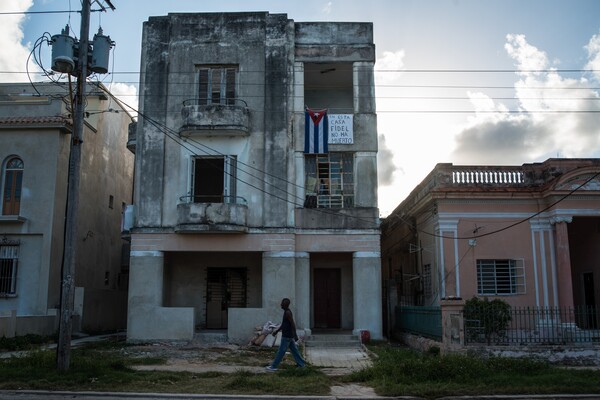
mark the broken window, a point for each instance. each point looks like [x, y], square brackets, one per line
[214, 179]
[217, 84]
[329, 180]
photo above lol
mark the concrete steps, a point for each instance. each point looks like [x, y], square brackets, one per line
[211, 337]
[332, 340]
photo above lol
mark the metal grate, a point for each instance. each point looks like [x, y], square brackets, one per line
[500, 277]
[226, 288]
[533, 325]
[9, 261]
[329, 180]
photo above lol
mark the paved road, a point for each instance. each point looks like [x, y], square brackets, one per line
[39, 395]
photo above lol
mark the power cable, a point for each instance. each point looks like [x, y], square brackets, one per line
[156, 124]
[506, 227]
[174, 136]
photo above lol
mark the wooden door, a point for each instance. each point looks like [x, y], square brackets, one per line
[327, 298]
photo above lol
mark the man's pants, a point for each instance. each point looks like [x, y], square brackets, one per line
[285, 344]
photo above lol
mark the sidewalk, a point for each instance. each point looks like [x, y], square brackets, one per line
[344, 359]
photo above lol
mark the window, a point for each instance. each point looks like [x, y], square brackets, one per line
[217, 84]
[13, 178]
[9, 257]
[214, 179]
[329, 180]
[500, 277]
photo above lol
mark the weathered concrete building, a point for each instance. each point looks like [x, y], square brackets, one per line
[35, 135]
[234, 209]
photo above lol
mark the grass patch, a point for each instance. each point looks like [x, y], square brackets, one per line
[400, 371]
[106, 366]
[110, 366]
[26, 342]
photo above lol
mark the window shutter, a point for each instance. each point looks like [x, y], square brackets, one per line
[203, 86]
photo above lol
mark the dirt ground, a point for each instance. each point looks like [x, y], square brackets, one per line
[224, 357]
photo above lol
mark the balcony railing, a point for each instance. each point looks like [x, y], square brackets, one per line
[230, 117]
[462, 175]
[208, 198]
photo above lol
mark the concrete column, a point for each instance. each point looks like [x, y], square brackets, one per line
[363, 81]
[453, 334]
[564, 280]
[366, 280]
[302, 308]
[145, 290]
[146, 318]
[278, 281]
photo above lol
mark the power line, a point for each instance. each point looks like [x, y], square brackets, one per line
[564, 197]
[40, 12]
[485, 71]
[52, 11]
[169, 133]
[396, 71]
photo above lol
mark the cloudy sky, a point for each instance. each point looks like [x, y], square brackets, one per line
[469, 82]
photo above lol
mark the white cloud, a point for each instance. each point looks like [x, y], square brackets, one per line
[593, 49]
[327, 8]
[548, 121]
[385, 163]
[13, 57]
[126, 94]
[389, 67]
[527, 57]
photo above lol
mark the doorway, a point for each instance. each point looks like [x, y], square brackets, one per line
[226, 287]
[327, 298]
[589, 300]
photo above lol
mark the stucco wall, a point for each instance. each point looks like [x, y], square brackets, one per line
[107, 169]
[186, 286]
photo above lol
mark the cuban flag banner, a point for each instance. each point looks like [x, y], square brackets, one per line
[316, 131]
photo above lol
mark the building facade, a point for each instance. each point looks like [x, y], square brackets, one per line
[35, 134]
[238, 201]
[525, 234]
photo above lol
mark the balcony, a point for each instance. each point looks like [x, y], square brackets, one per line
[228, 216]
[231, 117]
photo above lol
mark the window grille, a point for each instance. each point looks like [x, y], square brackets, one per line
[226, 288]
[9, 261]
[329, 180]
[500, 277]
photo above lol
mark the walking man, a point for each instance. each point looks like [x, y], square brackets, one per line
[288, 338]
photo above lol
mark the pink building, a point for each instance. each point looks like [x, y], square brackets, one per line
[527, 234]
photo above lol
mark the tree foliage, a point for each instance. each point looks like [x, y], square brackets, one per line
[486, 318]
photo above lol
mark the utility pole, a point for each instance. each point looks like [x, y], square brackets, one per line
[63, 355]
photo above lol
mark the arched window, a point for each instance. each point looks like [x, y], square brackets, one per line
[13, 178]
